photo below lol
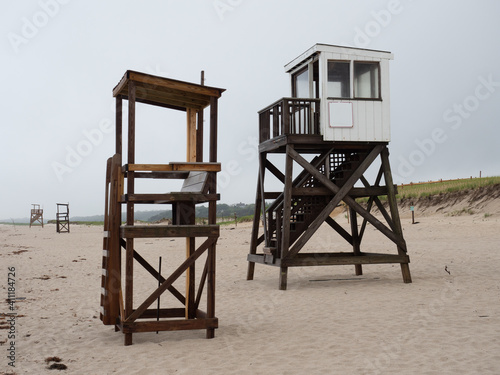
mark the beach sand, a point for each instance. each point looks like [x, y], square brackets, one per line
[329, 321]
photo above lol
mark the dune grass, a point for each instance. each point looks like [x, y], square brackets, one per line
[434, 188]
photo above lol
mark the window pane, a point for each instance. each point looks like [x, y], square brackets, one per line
[338, 79]
[301, 84]
[366, 80]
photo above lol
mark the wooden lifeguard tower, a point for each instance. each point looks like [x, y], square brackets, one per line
[333, 127]
[118, 306]
[36, 215]
[62, 218]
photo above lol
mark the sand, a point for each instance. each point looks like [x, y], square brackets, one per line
[327, 322]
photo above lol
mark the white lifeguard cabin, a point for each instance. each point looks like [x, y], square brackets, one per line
[353, 86]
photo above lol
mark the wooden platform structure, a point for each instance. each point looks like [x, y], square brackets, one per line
[117, 304]
[291, 127]
[62, 218]
[36, 215]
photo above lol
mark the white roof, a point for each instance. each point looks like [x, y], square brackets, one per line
[352, 51]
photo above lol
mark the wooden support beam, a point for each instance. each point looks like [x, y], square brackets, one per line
[275, 171]
[170, 280]
[191, 135]
[174, 166]
[118, 125]
[355, 240]
[393, 204]
[340, 193]
[255, 229]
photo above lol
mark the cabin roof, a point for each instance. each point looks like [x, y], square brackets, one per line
[353, 51]
[166, 92]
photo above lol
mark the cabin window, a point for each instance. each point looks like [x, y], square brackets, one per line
[300, 82]
[366, 80]
[338, 79]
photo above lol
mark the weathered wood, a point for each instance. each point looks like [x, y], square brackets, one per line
[339, 229]
[151, 231]
[393, 204]
[171, 325]
[255, 229]
[356, 243]
[175, 166]
[340, 193]
[213, 130]
[170, 280]
[118, 125]
[199, 186]
[129, 254]
[329, 259]
[170, 198]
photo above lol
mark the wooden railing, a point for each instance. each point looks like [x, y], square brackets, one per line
[289, 116]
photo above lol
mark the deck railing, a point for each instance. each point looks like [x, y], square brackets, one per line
[289, 116]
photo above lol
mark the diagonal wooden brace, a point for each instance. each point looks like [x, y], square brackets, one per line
[340, 193]
[170, 280]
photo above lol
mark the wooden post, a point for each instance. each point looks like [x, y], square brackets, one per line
[287, 209]
[355, 240]
[199, 130]
[188, 216]
[118, 125]
[391, 197]
[129, 257]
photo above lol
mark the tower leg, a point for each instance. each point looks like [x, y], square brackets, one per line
[355, 240]
[283, 278]
[391, 197]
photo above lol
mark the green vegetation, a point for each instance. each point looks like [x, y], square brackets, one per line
[467, 211]
[436, 188]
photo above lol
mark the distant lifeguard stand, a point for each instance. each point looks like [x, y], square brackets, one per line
[199, 186]
[36, 215]
[338, 117]
[62, 218]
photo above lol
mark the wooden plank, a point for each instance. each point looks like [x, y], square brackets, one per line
[155, 81]
[275, 171]
[339, 229]
[169, 198]
[356, 242]
[118, 125]
[151, 231]
[330, 259]
[355, 192]
[255, 229]
[196, 182]
[393, 204]
[175, 166]
[170, 280]
[162, 175]
[171, 325]
[213, 130]
[191, 135]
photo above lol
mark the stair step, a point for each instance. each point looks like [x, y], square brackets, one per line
[269, 250]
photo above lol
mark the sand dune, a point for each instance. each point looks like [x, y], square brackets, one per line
[327, 322]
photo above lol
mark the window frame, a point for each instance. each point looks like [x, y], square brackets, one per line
[349, 83]
[379, 79]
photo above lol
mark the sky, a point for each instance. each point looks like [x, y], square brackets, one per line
[60, 60]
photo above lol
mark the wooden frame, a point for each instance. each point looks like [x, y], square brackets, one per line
[308, 199]
[117, 290]
[36, 215]
[62, 218]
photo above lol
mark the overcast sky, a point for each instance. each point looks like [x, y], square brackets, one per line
[61, 60]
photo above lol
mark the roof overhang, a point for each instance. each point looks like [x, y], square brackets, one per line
[166, 92]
